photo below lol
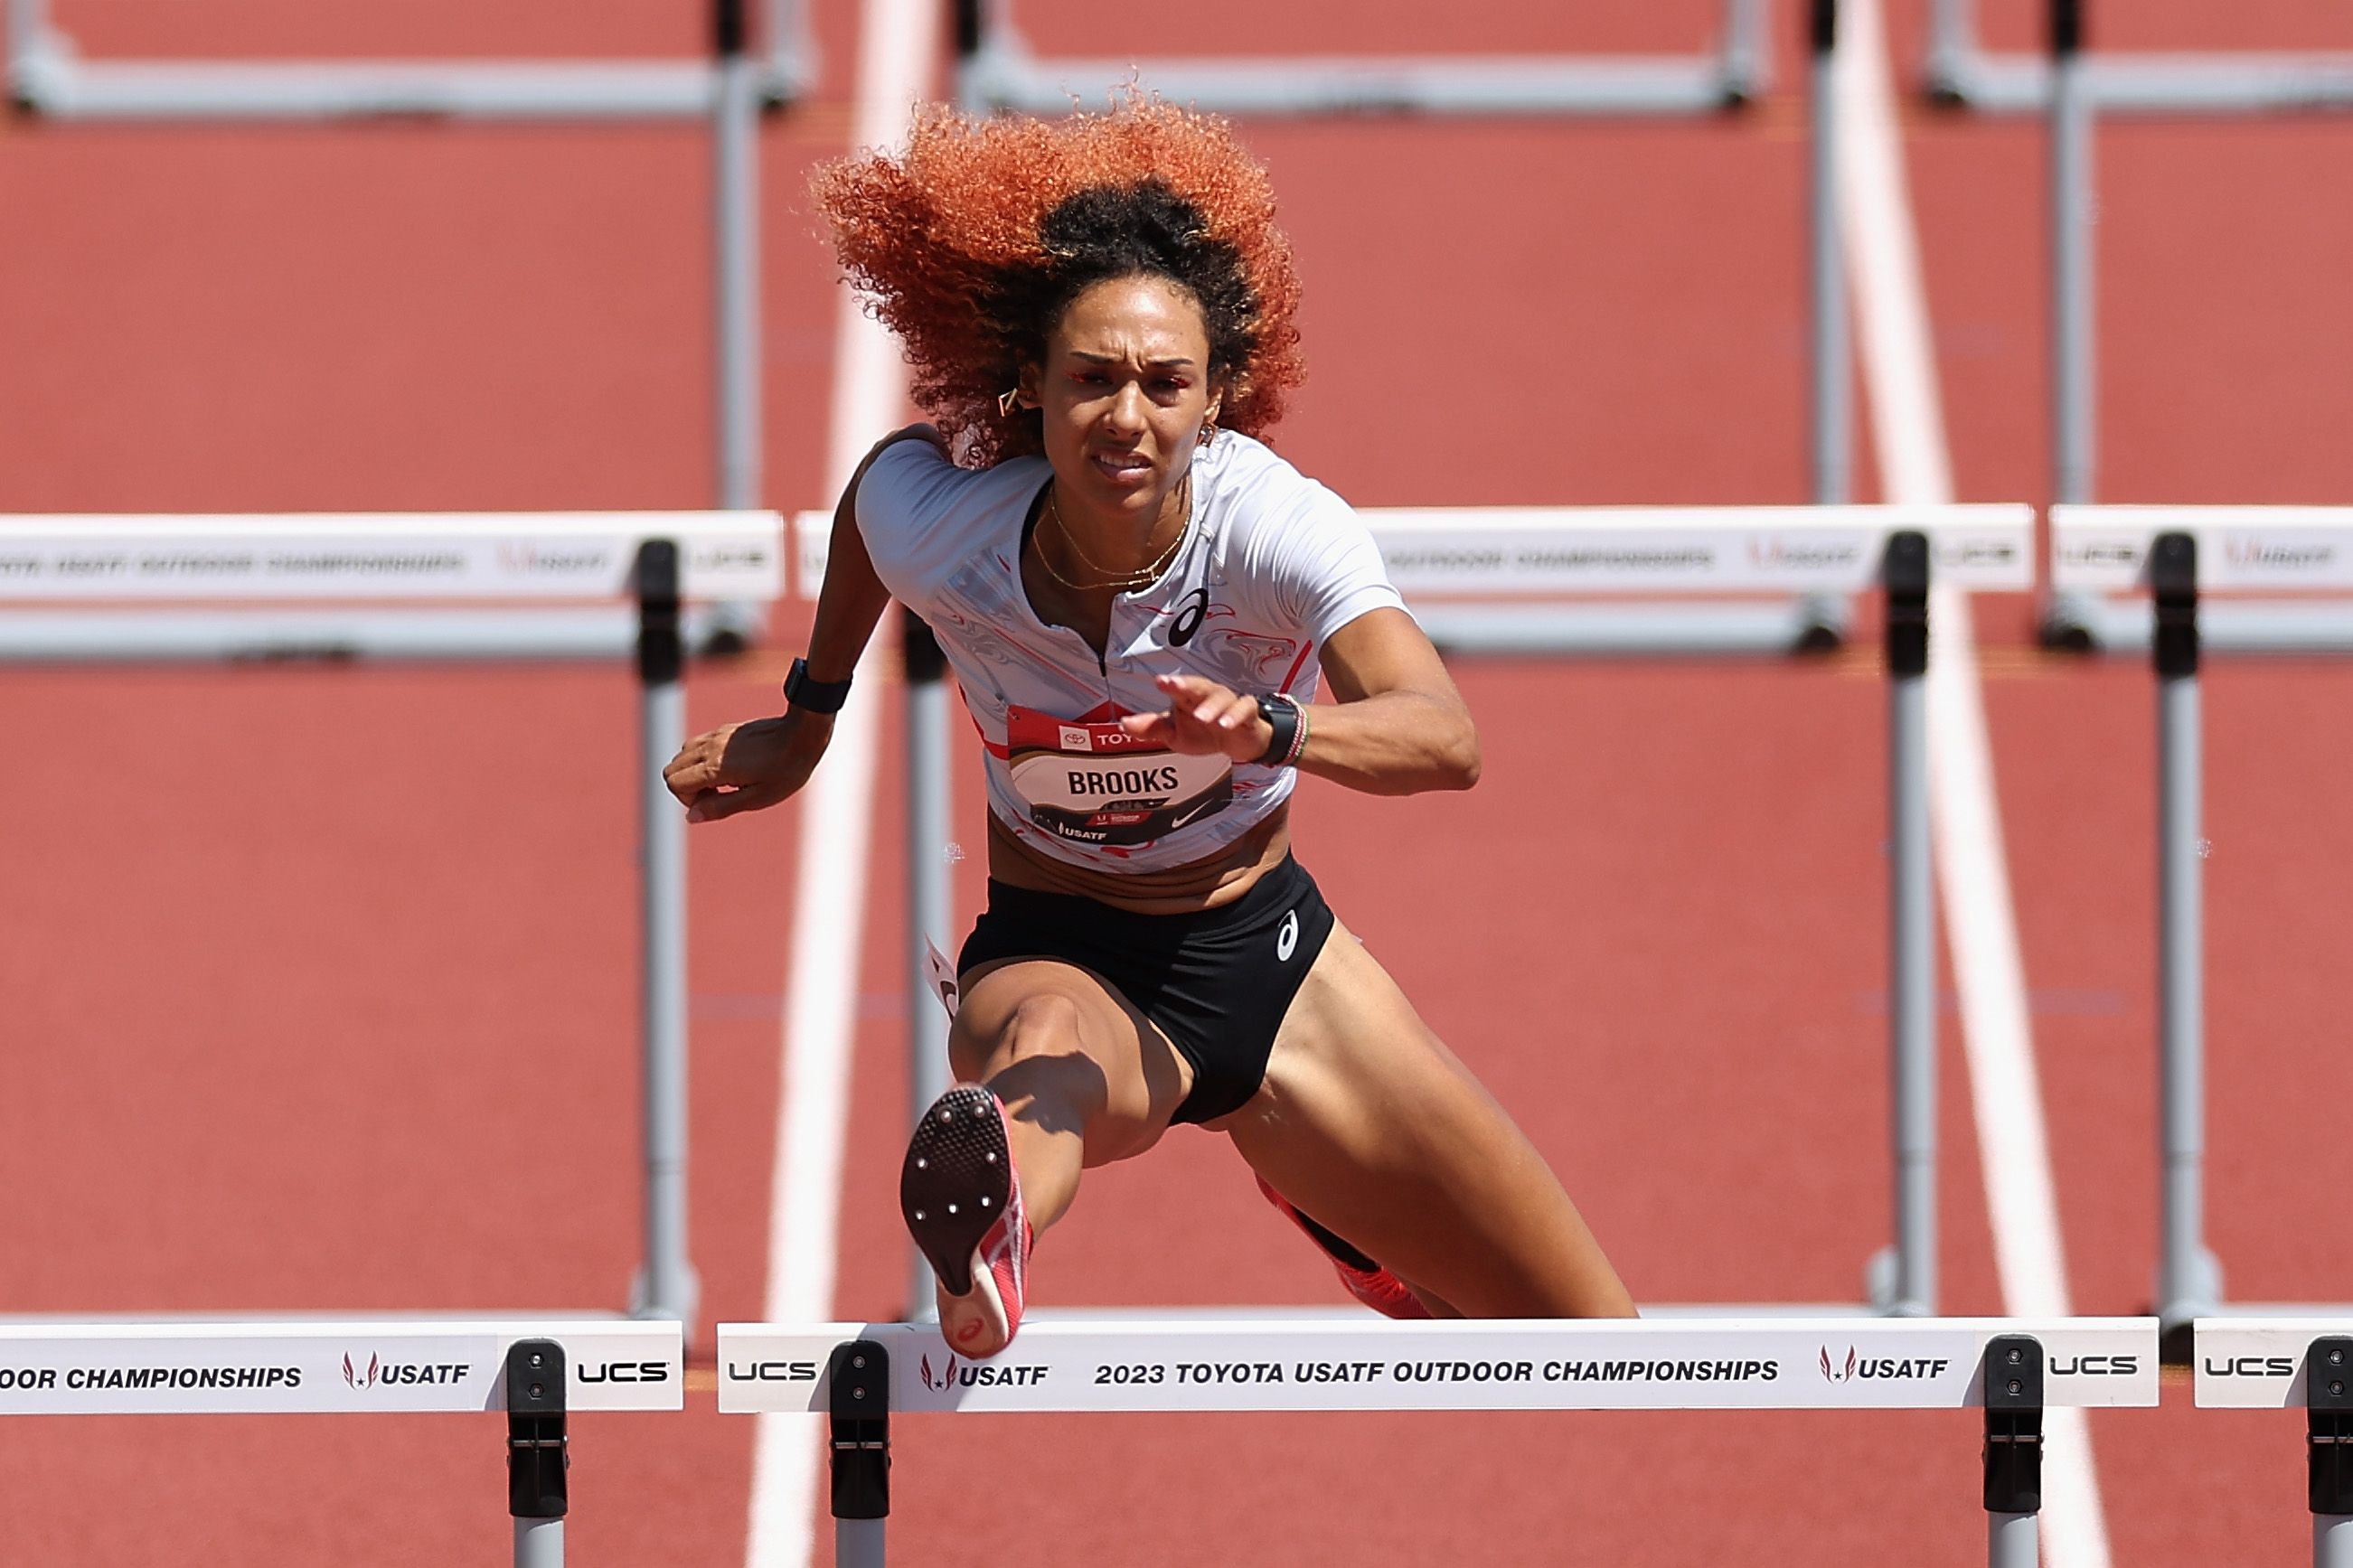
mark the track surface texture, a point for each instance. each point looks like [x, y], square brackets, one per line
[321, 981]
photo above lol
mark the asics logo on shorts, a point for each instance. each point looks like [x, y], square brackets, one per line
[1286, 940]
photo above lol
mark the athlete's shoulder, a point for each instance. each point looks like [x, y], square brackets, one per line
[921, 514]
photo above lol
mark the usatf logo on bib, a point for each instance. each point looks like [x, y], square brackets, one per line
[1091, 781]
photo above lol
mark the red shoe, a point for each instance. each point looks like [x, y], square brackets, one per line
[962, 1201]
[1367, 1280]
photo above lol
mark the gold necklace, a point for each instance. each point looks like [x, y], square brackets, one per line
[1147, 574]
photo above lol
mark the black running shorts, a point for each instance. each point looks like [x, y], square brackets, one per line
[1217, 982]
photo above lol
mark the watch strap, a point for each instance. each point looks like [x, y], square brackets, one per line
[814, 696]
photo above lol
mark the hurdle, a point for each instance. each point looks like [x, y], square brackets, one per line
[732, 89]
[536, 1372]
[996, 71]
[859, 1375]
[1540, 581]
[1962, 74]
[2177, 554]
[104, 582]
[2293, 1362]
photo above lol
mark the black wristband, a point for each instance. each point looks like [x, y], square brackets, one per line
[814, 696]
[1281, 715]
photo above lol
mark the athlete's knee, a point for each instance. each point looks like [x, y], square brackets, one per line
[1045, 1023]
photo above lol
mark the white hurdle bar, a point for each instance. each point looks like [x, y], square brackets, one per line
[2293, 1364]
[1521, 580]
[860, 1374]
[110, 586]
[2178, 555]
[536, 1372]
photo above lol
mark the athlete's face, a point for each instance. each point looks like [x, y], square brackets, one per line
[1125, 390]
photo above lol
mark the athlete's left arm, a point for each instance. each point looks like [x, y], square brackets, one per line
[1395, 724]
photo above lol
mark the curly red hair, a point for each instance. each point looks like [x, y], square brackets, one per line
[969, 245]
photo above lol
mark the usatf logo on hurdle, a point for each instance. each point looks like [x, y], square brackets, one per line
[379, 1374]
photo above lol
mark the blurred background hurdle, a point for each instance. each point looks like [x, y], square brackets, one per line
[860, 1374]
[996, 69]
[732, 90]
[1596, 579]
[114, 572]
[2176, 556]
[535, 1372]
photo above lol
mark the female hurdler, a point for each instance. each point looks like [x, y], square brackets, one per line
[1144, 606]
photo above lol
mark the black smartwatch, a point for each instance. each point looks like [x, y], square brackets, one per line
[814, 696]
[1290, 727]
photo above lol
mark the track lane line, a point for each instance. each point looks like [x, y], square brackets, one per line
[895, 68]
[1973, 876]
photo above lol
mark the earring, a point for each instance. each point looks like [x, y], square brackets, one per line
[1007, 400]
[1208, 432]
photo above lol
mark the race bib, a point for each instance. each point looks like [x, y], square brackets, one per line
[1095, 783]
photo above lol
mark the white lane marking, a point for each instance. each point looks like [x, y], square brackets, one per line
[895, 68]
[2006, 1095]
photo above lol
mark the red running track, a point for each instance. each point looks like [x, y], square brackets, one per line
[283, 941]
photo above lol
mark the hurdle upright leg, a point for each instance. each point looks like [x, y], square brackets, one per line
[858, 1409]
[2013, 1451]
[666, 1286]
[1906, 1283]
[537, 1452]
[2189, 1283]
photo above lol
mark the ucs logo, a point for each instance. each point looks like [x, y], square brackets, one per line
[2250, 1366]
[626, 1372]
[772, 1372]
[2096, 1366]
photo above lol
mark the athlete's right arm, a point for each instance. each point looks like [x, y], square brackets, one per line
[748, 766]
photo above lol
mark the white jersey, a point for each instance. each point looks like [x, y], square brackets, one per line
[1271, 564]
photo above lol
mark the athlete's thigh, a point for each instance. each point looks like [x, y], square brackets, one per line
[1018, 1009]
[1370, 1124]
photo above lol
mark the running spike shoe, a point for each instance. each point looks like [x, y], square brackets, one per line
[962, 1201]
[1367, 1280]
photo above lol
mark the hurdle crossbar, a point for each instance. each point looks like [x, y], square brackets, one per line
[2295, 1362]
[1240, 1366]
[326, 1365]
[125, 569]
[860, 1374]
[2176, 556]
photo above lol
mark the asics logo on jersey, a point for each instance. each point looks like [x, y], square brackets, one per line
[1286, 941]
[1189, 615]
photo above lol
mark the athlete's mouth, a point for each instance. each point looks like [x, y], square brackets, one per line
[1124, 467]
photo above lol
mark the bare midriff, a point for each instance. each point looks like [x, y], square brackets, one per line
[1175, 891]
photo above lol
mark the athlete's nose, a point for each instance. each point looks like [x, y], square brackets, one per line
[1125, 415]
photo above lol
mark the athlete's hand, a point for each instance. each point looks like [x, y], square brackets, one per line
[746, 767]
[1203, 720]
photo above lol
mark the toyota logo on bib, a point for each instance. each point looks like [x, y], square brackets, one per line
[1286, 941]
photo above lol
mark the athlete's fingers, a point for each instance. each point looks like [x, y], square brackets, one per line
[698, 763]
[1186, 691]
[711, 805]
[1149, 726]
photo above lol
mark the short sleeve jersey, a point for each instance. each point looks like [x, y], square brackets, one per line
[1271, 564]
